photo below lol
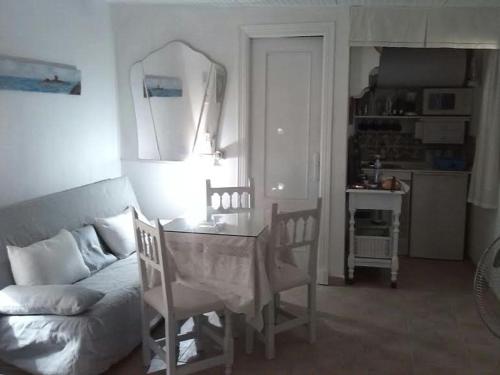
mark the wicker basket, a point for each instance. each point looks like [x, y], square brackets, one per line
[372, 243]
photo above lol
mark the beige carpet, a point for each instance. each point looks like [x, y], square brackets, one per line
[429, 325]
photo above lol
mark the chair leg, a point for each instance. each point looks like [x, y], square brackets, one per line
[249, 337]
[146, 350]
[277, 304]
[228, 341]
[146, 353]
[197, 327]
[311, 311]
[171, 341]
[269, 329]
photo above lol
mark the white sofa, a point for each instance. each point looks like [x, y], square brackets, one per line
[86, 344]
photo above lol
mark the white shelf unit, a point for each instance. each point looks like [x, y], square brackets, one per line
[374, 246]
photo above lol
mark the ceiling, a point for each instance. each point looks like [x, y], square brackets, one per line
[229, 3]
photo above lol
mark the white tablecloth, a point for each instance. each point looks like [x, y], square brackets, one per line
[232, 267]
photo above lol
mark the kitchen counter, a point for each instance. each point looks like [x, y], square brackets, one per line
[374, 191]
[413, 169]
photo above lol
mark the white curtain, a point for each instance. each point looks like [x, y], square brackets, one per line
[485, 184]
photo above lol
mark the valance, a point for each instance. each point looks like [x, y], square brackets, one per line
[445, 27]
[388, 27]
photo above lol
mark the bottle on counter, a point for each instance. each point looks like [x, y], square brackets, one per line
[388, 106]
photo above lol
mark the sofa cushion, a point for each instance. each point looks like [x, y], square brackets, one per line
[94, 256]
[56, 260]
[118, 233]
[47, 299]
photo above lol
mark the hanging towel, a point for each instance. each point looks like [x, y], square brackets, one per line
[484, 188]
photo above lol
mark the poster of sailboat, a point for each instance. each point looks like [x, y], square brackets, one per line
[17, 73]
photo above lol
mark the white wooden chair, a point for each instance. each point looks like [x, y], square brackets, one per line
[175, 302]
[290, 230]
[230, 199]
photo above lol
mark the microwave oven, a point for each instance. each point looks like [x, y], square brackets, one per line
[447, 102]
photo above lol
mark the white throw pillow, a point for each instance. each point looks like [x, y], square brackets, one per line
[47, 299]
[118, 233]
[54, 261]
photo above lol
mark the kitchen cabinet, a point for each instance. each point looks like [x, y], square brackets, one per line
[438, 214]
[441, 131]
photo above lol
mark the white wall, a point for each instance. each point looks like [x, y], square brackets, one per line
[51, 142]
[215, 31]
[362, 61]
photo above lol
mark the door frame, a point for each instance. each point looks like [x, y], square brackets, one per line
[327, 31]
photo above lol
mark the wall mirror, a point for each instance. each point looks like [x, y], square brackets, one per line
[178, 94]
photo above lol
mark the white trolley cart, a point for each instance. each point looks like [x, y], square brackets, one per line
[374, 245]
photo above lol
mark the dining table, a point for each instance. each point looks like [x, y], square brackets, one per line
[224, 254]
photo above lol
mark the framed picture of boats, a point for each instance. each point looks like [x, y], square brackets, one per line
[162, 86]
[17, 73]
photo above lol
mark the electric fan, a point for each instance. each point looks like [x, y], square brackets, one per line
[487, 287]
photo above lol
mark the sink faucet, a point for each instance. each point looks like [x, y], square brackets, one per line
[377, 165]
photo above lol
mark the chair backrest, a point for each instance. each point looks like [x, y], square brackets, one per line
[153, 256]
[297, 229]
[230, 199]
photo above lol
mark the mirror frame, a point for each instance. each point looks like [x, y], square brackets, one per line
[216, 152]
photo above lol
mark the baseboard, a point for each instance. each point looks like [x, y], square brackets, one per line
[336, 281]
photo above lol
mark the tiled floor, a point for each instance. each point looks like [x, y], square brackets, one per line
[427, 326]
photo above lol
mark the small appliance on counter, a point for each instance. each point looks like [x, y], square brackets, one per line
[447, 102]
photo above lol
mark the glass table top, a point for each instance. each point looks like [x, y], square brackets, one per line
[243, 224]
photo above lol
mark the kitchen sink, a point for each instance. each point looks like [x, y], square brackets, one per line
[384, 166]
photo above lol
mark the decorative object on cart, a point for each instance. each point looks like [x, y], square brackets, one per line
[178, 94]
[390, 183]
[487, 287]
[23, 74]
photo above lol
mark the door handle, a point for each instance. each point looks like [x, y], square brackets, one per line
[317, 166]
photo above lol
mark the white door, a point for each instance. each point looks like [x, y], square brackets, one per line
[285, 121]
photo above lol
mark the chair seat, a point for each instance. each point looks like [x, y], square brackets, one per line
[188, 301]
[287, 276]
